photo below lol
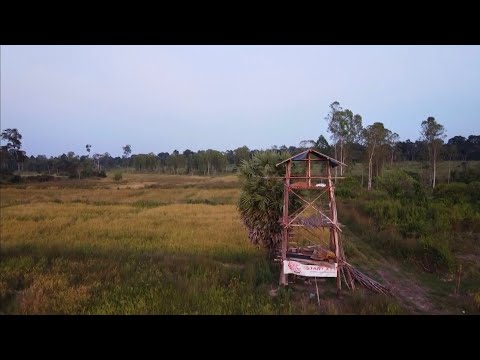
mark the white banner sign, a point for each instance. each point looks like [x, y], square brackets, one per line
[294, 267]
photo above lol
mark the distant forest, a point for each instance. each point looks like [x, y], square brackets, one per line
[211, 162]
[350, 142]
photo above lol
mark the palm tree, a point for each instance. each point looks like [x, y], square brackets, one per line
[261, 199]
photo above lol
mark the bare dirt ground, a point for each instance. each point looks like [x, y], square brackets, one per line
[408, 291]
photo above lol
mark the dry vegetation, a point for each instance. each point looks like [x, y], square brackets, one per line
[148, 244]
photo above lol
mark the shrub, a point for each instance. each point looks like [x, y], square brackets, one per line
[348, 188]
[398, 184]
[118, 176]
[454, 193]
[466, 175]
[16, 179]
[40, 178]
[436, 254]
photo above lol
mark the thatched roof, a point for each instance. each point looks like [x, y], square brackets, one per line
[303, 155]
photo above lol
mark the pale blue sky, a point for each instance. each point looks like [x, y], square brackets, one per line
[162, 98]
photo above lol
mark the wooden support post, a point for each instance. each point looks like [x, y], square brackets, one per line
[333, 229]
[346, 269]
[286, 190]
[332, 242]
[309, 170]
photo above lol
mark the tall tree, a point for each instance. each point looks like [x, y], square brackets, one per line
[14, 143]
[176, 161]
[127, 150]
[334, 118]
[345, 128]
[241, 153]
[433, 134]
[188, 156]
[97, 158]
[374, 136]
[13, 139]
[392, 141]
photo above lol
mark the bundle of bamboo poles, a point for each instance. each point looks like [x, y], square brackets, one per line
[366, 281]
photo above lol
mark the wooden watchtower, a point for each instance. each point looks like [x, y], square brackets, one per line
[309, 205]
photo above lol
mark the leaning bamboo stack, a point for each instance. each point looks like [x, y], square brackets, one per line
[367, 281]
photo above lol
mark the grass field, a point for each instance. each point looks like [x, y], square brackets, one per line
[144, 245]
[148, 244]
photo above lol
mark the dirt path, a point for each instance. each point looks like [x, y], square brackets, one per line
[408, 290]
[414, 296]
[409, 293]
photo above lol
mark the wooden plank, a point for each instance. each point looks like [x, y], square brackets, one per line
[333, 210]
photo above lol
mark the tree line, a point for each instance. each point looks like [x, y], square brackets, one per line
[374, 146]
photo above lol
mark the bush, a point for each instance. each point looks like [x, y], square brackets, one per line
[101, 174]
[16, 179]
[398, 184]
[466, 175]
[348, 188]
[436, 254]
[458, 193]
[118, 176]
[454, 193]
[40, 178]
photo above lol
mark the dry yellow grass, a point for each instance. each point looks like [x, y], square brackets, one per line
[149, 244]
[160, 244]
[182, 227]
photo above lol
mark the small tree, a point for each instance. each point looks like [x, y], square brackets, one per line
[13, 138]
[433, 134]
[346, 129]
[127, 150]
[374, 136]
[96, 159]
[14, 143]
[392, 140]
[241, 153]
[322, 145]
[451, 152]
